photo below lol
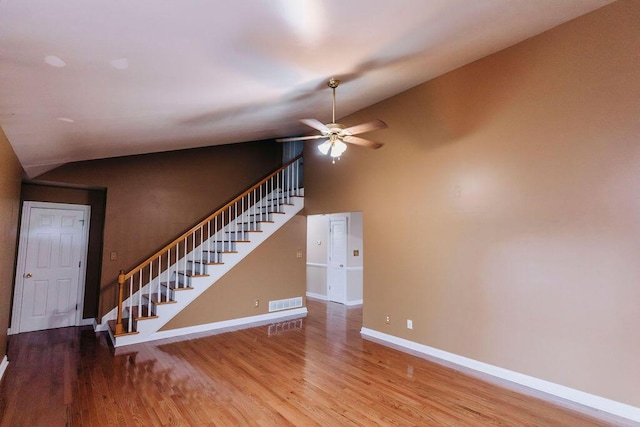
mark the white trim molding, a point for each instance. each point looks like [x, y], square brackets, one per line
[316, 264]
[317, 296]
[3, 366]
[354, 302]
[89, 321]
[225, 325]
[586, 399]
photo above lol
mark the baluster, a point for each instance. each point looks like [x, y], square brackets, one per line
[215, 246]
[273, 194]
[298, 183]
[202, 247]
[150, 288]
[184, 260]
[159, 291]
[255, 209]
[209, 241]
[235, 221]
[130, 325]
[261, 200]
[193, 252]
[281, 178]
[168, 271]
[289, 184]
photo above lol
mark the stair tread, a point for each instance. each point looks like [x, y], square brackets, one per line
[163, 299]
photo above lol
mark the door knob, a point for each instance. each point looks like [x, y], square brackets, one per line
[27, 276]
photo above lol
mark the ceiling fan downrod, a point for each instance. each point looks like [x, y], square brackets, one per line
[333, 84]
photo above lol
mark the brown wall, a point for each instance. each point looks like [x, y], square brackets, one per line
[503, 214]
[153, 198]
[271, 272]
[96, 200]
[10, 178]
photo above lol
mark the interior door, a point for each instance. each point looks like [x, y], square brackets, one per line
[337, 265]
[51, 269]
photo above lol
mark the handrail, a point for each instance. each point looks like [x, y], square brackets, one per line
[192, 232]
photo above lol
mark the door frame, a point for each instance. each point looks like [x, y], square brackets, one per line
[346, 253]
[22, 258]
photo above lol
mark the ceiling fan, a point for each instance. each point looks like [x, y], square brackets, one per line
[336, 133]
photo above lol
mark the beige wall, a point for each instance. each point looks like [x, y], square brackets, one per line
[503, 214]
[10, 178]
[153, 198]
[271, 272]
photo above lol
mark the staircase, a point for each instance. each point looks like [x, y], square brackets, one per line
[155, 291]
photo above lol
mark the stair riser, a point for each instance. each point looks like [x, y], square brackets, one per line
[265, 216]
[238, 235]
[196, 267]
[248, 226]
[211, 257]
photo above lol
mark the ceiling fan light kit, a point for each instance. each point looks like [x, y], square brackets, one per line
[337, 134]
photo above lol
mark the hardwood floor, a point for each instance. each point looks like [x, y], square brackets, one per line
[312, 371]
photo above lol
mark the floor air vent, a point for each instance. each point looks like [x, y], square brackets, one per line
[285, 304]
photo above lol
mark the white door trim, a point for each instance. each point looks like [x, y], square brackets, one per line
[22, 255]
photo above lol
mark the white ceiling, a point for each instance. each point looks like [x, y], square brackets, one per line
[155, 75]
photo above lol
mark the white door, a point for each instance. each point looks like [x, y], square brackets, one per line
[337, 265]
[51, 267]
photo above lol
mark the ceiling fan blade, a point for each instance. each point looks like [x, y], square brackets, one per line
[300, 138]
[316, 124]
[364, 127]
[361, 141]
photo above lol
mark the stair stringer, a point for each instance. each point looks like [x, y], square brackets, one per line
[147, 329]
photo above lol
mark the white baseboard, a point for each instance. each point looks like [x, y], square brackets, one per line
[101, 327]
[317, 296]
[3, 366]
[90, 321]
[326, 298]
[233, 324]
[586, 399]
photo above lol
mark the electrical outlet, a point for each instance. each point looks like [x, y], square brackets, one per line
[409, 324]
[299, 253]
[256, 303]
[113, 256]
[387, 319]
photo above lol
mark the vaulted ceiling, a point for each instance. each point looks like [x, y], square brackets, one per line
[83, 80]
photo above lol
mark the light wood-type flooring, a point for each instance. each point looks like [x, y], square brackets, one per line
[311, 371]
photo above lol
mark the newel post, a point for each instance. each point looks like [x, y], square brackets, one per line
[121, 281]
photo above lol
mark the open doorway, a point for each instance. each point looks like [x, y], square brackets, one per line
[334, 257]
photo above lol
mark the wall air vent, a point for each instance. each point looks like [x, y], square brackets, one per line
[285, 304]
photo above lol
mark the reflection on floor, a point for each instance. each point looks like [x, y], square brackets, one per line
[311, 371]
